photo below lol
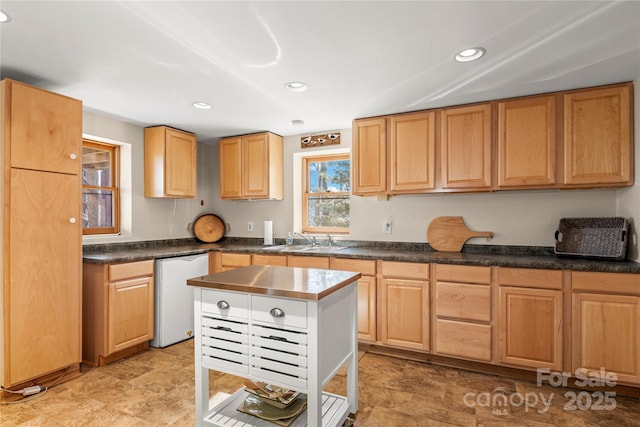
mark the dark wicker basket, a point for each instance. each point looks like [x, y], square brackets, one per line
[602, 238]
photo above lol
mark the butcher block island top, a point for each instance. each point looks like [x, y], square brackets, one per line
[300, 283]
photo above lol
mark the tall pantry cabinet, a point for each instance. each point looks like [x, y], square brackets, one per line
[40, 327]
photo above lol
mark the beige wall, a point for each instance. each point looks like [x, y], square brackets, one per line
[152, 219]
[527, 218]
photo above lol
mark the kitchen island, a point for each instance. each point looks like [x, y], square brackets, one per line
[289, 327]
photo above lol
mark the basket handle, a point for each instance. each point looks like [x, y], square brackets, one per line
[624, 234]
[558, 234]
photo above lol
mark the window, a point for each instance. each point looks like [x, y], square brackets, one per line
[100, 191]
[325, 198]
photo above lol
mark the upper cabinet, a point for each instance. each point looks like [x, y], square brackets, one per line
[369, 156]
[466, 147]
[598, 137]
[251, 167]
[47, 126]
[169, 163]
[572, 139]
[400, 160]
[527, 142]
[413, 141]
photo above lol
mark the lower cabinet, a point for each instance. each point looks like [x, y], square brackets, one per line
[118, 310]
[366, 294]
[531, 325]
[606, 324]
[404, 305]
[462, 312]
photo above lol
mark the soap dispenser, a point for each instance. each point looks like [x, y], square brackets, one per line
[289, 239]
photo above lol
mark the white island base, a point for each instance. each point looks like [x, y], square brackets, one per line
[291, 327]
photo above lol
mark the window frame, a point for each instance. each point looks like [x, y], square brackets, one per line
[306, 160]
[114, 179]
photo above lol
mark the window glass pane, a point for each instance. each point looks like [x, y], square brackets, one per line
[97, 208]
[328, 211]
[96, 167]
[329, 176]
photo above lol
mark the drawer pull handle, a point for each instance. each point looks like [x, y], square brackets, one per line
[223, 328]
[223, 305]
[275, 338]
[276, 312]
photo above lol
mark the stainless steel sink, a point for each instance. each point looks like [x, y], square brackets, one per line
[275, 248]
[315, 249]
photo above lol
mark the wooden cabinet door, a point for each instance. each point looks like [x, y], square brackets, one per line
[130, 314]
[255, 166]
[369, 156]
[466, 147]
[230, 165]
[45, 129]
[530, 329]
[367, 308]
[412, 146]
[598, 136]
[527, 142]
[180, 164]
[405, 313]
[606, 334]
[42, 289]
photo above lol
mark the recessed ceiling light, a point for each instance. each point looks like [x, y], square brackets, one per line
[296, 86]
[200, 105]
[297, 122]
[469, 55]
[3, 17]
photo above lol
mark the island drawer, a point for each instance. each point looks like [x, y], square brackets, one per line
[225, 344]
[225, 304]
[279, 312]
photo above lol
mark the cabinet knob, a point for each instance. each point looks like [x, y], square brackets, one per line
[276, 312]
[72, 220]
[73, 156]
[222, 305]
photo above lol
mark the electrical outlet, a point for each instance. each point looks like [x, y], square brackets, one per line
[386, 227]
[250, 226]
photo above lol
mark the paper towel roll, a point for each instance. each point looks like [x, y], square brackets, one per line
[268, 232]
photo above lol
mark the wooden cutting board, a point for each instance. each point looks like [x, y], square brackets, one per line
[208, 228]
[449, 233]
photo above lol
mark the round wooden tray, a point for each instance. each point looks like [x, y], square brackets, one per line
[208, 228]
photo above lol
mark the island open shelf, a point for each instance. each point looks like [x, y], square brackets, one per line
[289, 327]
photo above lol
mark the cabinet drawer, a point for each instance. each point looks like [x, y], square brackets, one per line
[225, 304]
[308, 261]
[292, 313]
[468, 340]
[277, 260]
[235, 260]
[410, 270]
[530, 278]
[366, 267]
[622, 283]
[130, 269]
[463, 273]
[463, 301]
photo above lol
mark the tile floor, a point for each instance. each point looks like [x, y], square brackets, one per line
[156, 388]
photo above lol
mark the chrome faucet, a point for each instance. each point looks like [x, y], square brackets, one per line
[330, 240]
[305, 236]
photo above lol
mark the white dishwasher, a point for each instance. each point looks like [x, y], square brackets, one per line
[174, 299]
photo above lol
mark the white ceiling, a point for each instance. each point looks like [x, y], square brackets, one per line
[147, 61]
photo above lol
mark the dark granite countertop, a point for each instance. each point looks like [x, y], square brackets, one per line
[483, 255]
